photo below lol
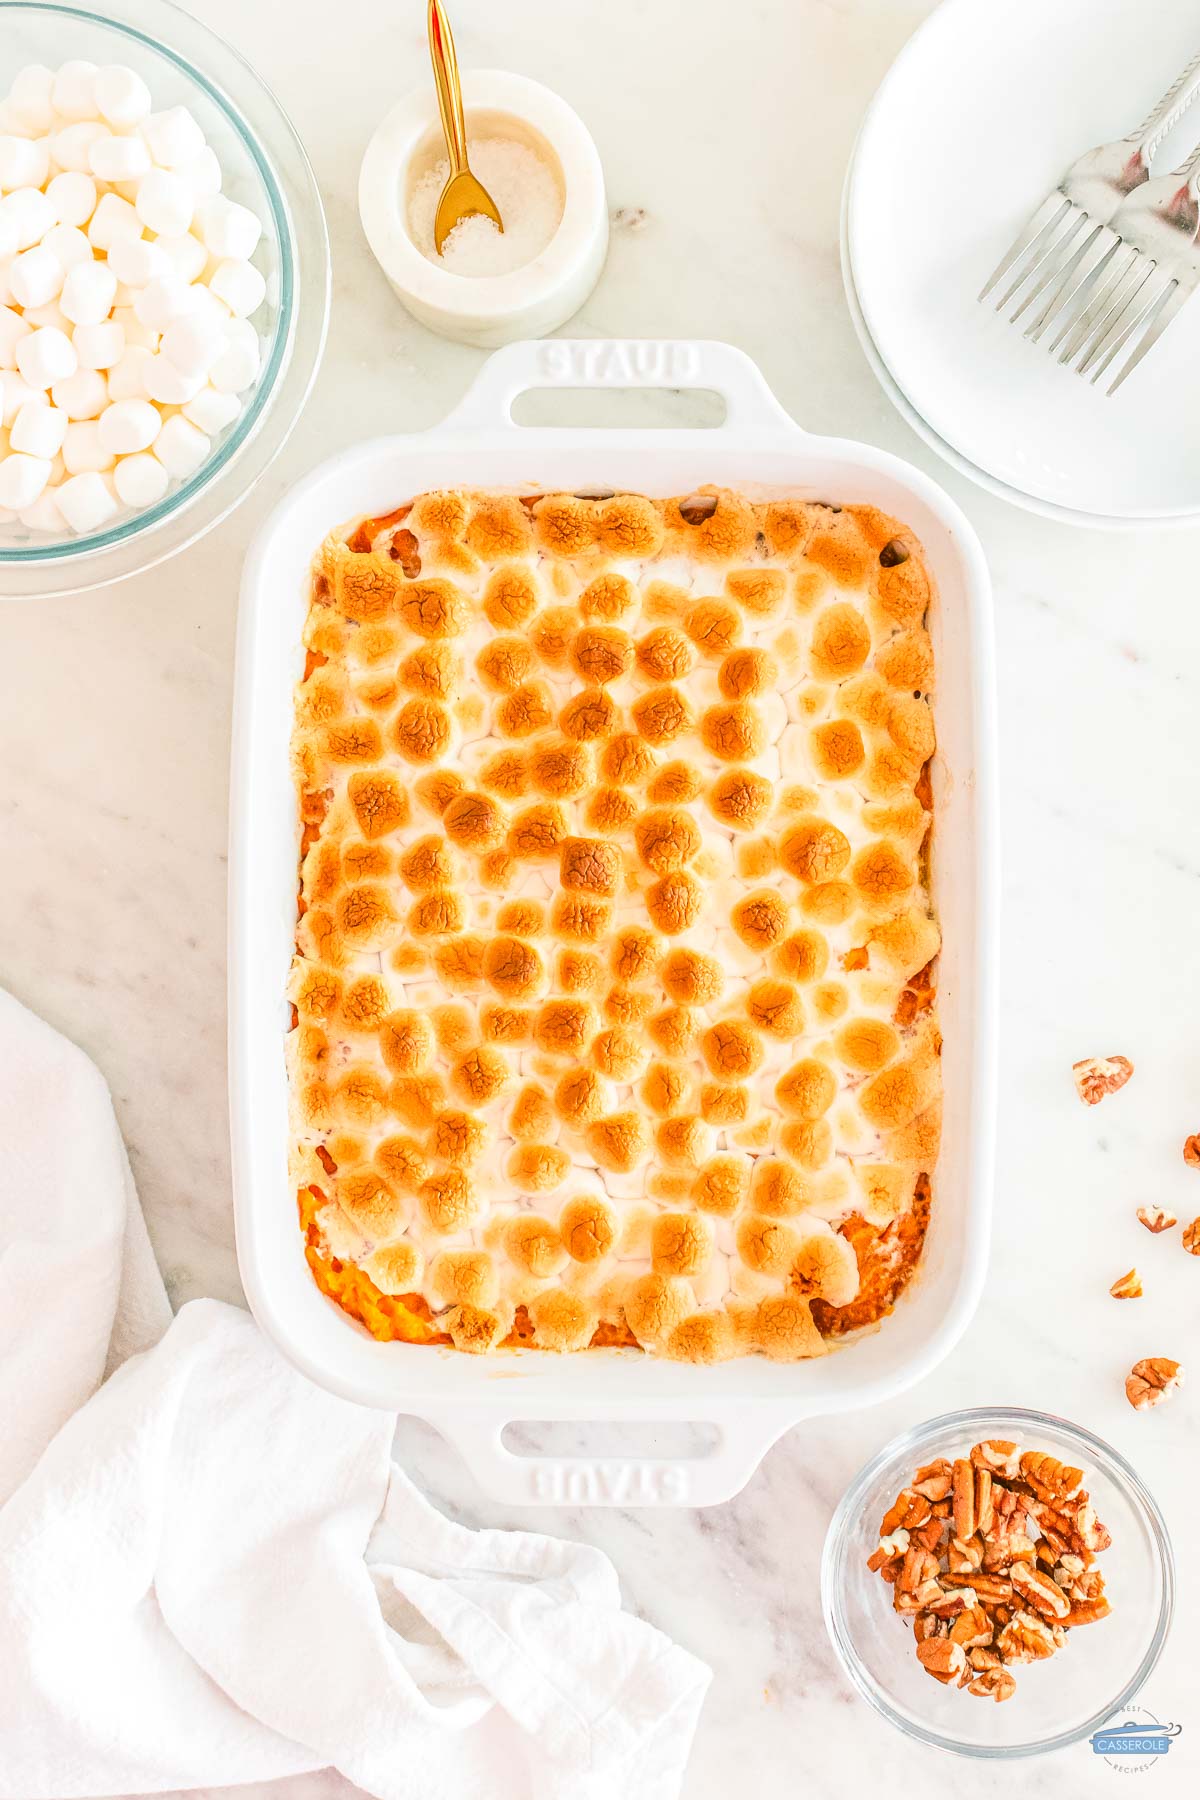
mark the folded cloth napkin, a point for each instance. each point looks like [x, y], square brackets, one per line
[212, 1573]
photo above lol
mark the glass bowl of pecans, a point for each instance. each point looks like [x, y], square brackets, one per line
[998, 1582]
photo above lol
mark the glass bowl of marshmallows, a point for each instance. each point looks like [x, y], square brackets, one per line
[164, 287]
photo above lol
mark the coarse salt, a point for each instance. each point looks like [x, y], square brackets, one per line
[528, 199]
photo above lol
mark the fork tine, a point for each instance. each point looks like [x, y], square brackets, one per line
[1125, 306]
[1048, 213]
[1077, 328]
[1060, 262]
[1174, 299]
[1132, 321]
[1083, 268]
[1049, 249]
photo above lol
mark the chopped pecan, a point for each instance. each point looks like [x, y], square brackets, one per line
[1053, 1482]
[1157, 1218]
[895, 1544]
[1040, 1591]
[945, 1661]
[965, 1555]
[933, 1481]
[1191, 1149]
[927, 1625]
[962, 1489]
[1151, 1381]
[1086, 1612]
[993, 1684]
[998, 1455]
[908, 1509]
[1191, 1238]
[983, 1658]
[1096, 1076]
[1027, 1638]
[1127, 1286]
[971, 1628]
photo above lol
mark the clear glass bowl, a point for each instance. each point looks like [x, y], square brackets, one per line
[1058, 1701]
[264, 166]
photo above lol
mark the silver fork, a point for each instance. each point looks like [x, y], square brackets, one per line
[1055, 243]
[1147, 267]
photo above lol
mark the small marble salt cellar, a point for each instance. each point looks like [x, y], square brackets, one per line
[487, 310]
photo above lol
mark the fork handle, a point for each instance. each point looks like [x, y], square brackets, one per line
[1170, 109]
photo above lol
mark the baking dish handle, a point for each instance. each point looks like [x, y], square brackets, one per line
[744, 1437]
[670, 363]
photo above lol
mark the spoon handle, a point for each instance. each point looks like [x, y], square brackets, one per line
[449, 87]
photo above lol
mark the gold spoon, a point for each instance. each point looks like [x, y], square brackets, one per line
[462, 196]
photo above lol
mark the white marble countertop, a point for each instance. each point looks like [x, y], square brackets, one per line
[114, 736]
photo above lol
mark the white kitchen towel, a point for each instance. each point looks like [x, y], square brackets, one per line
[212, 1573]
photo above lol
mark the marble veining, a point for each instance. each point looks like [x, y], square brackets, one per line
[114, 736]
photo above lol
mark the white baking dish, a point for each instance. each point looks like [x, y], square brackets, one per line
[750, 1402]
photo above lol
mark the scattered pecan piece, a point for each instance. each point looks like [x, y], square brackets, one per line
[1086, 1612]
[1129, 1285]
[993, 1684]
[1191, 1238]
[1191, 1149]
[1151, 1381]
[1156, 1218]
[1097, 1076]
[1040, 1591]
[1028, 1638]
[998, 1455]
[945, 1661]
[1053, 1482]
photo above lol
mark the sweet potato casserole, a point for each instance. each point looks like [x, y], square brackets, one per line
[613, 994]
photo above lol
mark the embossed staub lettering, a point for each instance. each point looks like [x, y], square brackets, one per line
[578, 1483]
[619, 362]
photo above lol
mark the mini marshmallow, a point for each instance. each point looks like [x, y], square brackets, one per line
[127, 378]
[165, 203]
[68, 243]
[237, 366]
[24, 162]
[15, 392]
[88, 292]
[144, 336]
[73, 197]
[192, 343]
[83, 395]
[174, 137]
[128, 426]
[169, 385]
[44, 514]
[186, 253]
[72, 146]
[35, 276]
[49, 313]
[73, 92]
[181, 447]
[39, 429]
[162, 300]
[113, 220]
[212, 412]
[140, 480]
[203, 174]
[86, 502]
[122, 96]
[30, 215]
[82, 450]
[12, 328]
[227, 229]
[240, 286]
[138, 262]
[22, 479]
[47, 355]
[119, 159]
[99, 346]
[30, 97]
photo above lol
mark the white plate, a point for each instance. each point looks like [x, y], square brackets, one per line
[472, 1399]
[973, 125]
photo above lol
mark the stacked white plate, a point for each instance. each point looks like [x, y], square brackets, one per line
[974, 124]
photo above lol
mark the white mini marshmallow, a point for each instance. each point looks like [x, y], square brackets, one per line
[193, 343]
[143, 336]
[69, 245]
[211, 411]
[203, 174]
[73, 197]
[39, 429]
[49, 313]
[122, 96]
[162, 300]
[187, 254]
[31, 97]
[24, 162]
[35, 276]
[174, 137]
[44, 514]
[46, 356]
[82, 450]
[15, 392]
[119, 159]
[137, 262]
[87, 502]
[72, 147]
[88, 293]
[181, 447]
[22, 479]
[169, 385]
[83, 395]
[240, 286]
[99, 346]
[228, 230]
[165, 203]
[74, 90]
[29, 213]
[140, 480]
[128, 426]
[12, 328]
[113, 220]
[127, 378]
[237, 366]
